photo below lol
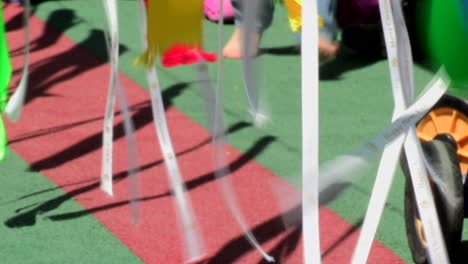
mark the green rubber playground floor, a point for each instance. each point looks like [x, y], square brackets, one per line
[355, 103]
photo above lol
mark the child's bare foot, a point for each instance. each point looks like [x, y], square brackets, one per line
[327, 49]
[233, 48]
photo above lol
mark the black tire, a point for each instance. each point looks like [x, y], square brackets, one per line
[453, 102]
[441, 154]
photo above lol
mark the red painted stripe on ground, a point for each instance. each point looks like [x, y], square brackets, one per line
[60, 135]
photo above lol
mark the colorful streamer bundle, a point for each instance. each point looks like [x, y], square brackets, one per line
[194, 246]
[181, 48]
[5, 75]
[172, 24]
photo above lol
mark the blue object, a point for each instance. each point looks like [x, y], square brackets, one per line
[465, 9]
[464, 13]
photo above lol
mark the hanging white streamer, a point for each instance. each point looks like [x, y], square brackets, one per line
[132, 156]
[251, 9]
[310, 133]
[191, 230]
[400, 63]
[16, 102]
[108, 133]
[222, 171]
[214, 112]
[195, 249]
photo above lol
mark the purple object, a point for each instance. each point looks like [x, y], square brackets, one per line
[211, 10]
[357, 12]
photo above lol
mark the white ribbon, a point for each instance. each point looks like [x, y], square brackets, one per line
[16, 102]
[251, 9]
[345, 166]
[108, 134]
[190, 229]
[390, 157]
[222, 171]
[132, 156]
[310, 133]
[400, 62]
[214, 112]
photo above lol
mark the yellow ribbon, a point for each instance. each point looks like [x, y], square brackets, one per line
[294, 8]
[171, 22]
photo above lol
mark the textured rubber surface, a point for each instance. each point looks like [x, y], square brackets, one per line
[69, 82]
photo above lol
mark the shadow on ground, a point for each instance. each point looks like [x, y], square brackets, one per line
[28, 218]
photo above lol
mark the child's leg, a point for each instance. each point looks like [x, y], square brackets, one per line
[328, 27]
[263, 21]
[264, 16]
[327, 19]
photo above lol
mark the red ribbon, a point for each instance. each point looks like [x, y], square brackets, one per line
[184, 55]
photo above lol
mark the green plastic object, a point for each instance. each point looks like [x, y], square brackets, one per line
[444, 40]
[3, 140]
[5, 66]
[5, 75]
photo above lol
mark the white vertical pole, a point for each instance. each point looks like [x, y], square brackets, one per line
[310, 132]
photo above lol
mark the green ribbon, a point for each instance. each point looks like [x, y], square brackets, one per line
[5, 75]
[5, 66]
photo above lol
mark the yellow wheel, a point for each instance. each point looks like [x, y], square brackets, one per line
[443, 133]
[447, 120]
